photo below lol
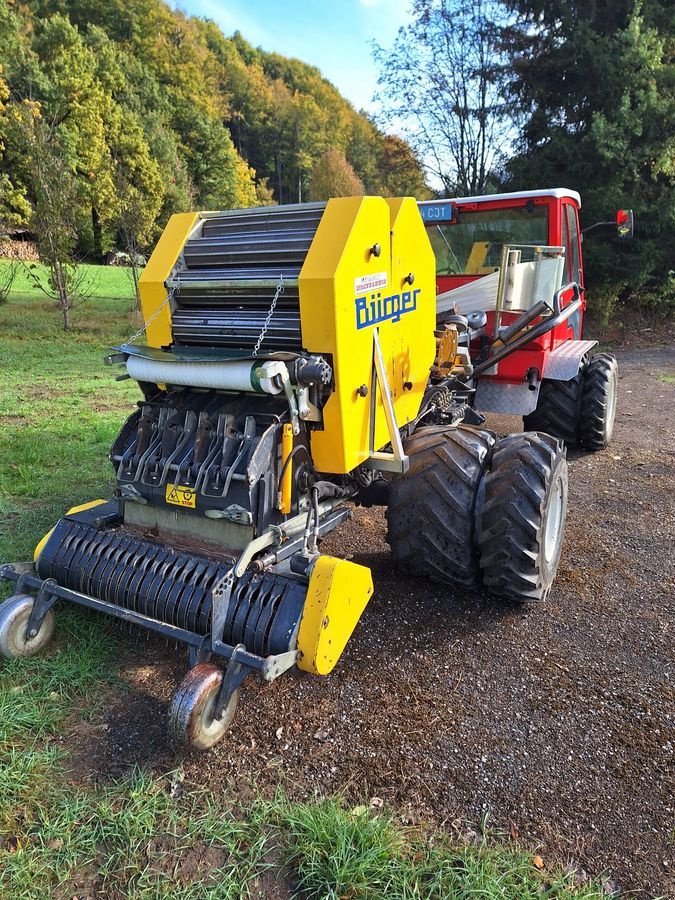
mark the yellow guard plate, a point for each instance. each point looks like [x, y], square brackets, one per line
[337, 595]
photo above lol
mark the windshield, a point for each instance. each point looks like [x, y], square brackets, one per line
[472, 245]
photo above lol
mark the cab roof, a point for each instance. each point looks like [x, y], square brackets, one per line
[558, 193]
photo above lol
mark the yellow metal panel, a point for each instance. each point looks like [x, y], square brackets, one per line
[346, 291]
[446, 356]
[72, 510]
[159, 266]
[475, 265]
[340, 254]
[410, 343]
[287, 467]
[336, 597]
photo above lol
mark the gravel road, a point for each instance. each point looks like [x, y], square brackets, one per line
[557, 722]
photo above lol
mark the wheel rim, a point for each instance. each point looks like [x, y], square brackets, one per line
[14, 617]
[207, 729]
[554, 520]
[28, 646]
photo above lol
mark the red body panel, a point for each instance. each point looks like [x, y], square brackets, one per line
[514, 367]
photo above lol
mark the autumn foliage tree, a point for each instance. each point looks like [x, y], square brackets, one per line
[156, 112]
[332, 176]
[401, 171]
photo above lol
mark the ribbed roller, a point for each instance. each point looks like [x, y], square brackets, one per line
[237, 249]
[229, 274]
[266, 218]
[118, 567]
[235, 328]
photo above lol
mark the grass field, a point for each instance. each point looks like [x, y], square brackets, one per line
[147, 836]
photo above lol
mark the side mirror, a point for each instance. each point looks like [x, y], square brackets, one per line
[625, 224]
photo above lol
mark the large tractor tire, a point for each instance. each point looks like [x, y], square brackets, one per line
[598, 402]
[558, 408]
[431, 510]
[521, 516]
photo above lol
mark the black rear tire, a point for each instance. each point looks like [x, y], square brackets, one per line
[598, 402]
[558, 408]
[521, 516]
[431, 511]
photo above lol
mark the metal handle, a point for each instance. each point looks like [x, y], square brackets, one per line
[559, 316]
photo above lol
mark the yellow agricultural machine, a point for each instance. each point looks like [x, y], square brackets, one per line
[292, 369]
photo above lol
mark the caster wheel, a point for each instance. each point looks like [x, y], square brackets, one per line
[14, 615]
[191, 721]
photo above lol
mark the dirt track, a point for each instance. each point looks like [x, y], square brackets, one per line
[557, 721]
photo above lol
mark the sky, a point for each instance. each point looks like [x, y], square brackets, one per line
[334, 35]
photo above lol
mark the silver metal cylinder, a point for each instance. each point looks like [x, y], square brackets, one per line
[230, 271]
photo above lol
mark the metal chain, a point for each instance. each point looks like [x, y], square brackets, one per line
[268, 318]
[169, 298]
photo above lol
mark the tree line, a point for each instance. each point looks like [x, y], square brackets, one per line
[137, 111]
[526, 94]
[140, 111]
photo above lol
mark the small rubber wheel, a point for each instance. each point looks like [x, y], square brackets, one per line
[14, 615]
[598, 402]
[190, 719]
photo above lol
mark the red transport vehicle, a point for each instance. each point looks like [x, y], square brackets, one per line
[510, 281]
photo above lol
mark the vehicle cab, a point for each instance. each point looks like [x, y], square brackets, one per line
[536, 235]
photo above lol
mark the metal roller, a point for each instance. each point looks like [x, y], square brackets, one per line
[230, 272]
[224, 375]
[234, 249]
[270, 218]
[121, 568]
[233, 329]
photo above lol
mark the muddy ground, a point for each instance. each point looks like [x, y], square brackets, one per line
[557, 721]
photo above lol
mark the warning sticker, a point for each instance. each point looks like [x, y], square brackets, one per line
[370, 282]
[181, 495]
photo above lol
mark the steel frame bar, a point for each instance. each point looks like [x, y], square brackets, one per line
[25, 580]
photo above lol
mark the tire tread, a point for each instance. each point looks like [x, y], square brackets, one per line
[593, 431]
[557, 411]
[431, 509]
[511, 516]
